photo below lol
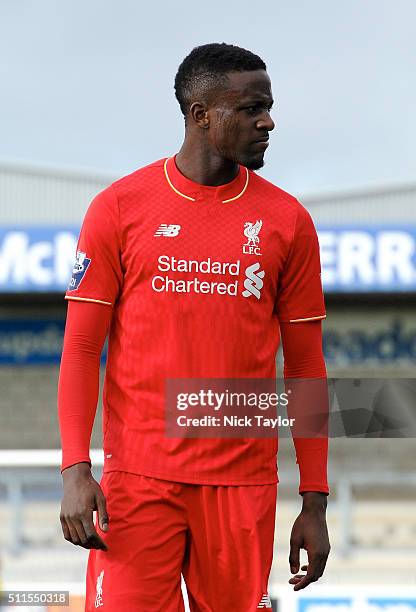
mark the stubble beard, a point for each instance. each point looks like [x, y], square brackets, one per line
[254, 164]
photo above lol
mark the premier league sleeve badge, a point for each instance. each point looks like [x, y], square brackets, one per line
[80, 267]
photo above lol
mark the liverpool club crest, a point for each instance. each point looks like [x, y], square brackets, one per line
[251, 232]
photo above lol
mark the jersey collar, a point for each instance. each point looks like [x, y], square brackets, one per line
[184, 187]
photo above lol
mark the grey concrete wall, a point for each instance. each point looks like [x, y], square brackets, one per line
[28, 409]
[28, 420]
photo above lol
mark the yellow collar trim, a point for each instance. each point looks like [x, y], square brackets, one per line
[171, 184]
[241, 192]
[165, 169]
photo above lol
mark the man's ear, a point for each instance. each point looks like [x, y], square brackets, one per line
[199, 114]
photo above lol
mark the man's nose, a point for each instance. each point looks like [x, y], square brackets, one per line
[266, 123]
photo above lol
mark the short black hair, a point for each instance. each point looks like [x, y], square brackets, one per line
[205, 68]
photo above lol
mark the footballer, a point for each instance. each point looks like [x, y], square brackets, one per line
[195, 267]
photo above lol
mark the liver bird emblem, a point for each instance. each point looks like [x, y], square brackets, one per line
[251, 231]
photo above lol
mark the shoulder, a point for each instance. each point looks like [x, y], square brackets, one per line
[276, 196]
[108, 200]
[289, 212]
[263, 186]
[286, 205]
[147, 176]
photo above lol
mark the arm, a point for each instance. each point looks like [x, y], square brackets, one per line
[303, 359]
[85, 332]
[95, 285]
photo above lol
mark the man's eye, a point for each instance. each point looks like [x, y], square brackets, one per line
[253, 110]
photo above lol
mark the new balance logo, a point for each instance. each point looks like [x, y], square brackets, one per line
[167, 230]
[265, 602]
[99, 595]
[253, 282]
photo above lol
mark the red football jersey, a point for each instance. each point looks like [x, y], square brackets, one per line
[198, 277]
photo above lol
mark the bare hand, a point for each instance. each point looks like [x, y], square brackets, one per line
[311, 533]
[82, 495]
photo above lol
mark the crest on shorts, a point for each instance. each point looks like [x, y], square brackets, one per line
[80, 267]
[99, 590]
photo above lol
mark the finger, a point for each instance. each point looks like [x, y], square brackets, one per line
[321, 566]
[323, 563]
[93, 539]
[294, 557]
[74, 538]
[302, 584]
[296, 579]
[77, 523]
[311, 575]
[65, 529]
[299, 577]
[103, 519]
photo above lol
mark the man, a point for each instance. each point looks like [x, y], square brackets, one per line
[201, 507]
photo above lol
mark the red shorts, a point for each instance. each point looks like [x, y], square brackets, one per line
[220, 538]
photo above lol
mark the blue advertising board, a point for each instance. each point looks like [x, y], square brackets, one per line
[38, 259]
[401, 604]
[361, 604]
[40, 341]
[32, 341]
[327, 604]
[368, 259]
[354, 259]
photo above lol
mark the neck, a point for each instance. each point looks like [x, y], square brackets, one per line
[202, 166]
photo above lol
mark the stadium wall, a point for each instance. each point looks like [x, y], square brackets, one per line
[367, 332]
